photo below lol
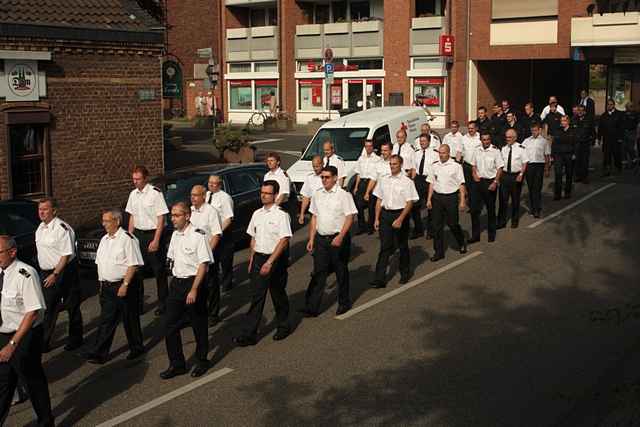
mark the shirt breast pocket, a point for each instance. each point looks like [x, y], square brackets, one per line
[120, 257]
[12, 300]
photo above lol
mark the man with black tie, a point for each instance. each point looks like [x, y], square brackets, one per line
[515, 158]
[587, 102]
[422, 160]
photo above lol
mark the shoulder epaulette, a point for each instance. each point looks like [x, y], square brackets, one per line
[157, 189]
[63, 225]
[435, 162]
[24, 272]
[339, 158]
[201, 231]
[285, 173]
[129, 234]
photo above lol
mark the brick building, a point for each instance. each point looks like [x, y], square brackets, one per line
[80, 101]
[387, 51]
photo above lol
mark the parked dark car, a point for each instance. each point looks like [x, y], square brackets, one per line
[19, 218]
[241, 181]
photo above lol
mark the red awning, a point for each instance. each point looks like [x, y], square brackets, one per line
[266, 83]
[239, 82]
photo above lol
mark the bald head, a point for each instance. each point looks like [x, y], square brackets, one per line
[444, 152]
[511, 136]
[198, 193]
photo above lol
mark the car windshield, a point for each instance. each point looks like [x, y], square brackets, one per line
[348, 142]
[179, 190]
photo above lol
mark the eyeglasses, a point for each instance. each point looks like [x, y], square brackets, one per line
[325, 176]
[266, 193]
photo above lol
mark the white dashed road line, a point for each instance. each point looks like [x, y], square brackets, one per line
[404, 288]
[263, 141]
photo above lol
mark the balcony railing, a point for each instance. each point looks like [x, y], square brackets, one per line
[425, 35]
[347, 39]
[613, 6]
[252, 44]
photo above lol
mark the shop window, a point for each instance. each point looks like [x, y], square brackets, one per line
[310, 95]
[266, 67]
[509, 9]
[240, 95]
[374, 93]
[265, 90]
[620, 83]
[29, 159]
[430, 8]
[429, 93]
[240, 67]
[360, 10]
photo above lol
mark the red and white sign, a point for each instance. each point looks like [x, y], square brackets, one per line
[266, 83]
[235, 83]
[447, 43]
[435, 81]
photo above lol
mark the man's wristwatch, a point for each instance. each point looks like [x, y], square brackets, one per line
[13, 343]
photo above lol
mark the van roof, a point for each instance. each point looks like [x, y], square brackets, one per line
[373, 115]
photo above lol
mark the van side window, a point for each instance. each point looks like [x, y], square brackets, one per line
[380, 136]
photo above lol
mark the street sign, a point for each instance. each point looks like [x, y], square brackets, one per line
[207, 52]
[328, 55]
[328, 70]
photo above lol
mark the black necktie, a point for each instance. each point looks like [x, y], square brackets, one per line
[509, 159]
[1, 287]
[210, 197]
[327, 161]
[421, 168]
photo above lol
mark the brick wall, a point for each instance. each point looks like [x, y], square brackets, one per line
[99, 127]
[290, 15]
[397, 24]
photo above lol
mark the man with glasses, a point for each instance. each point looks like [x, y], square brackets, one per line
[270, 231]
[332, 211]
[396, 195]
[22, 308]
[189, 255]
[223, 254]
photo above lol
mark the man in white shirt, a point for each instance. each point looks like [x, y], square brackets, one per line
[538, 150]
[404, 150]
[425, 128]
[454, 139]
[515, 160]
[332, 211]
[365, 170]
[332, 159]
[312, 182]
[277, 174]
[423, 159]
[223, 254]
[396, 195]
[546, 109]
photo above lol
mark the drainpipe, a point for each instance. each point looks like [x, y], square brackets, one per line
[466, 62]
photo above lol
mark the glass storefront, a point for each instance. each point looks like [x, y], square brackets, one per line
[240, 95]
[430, 92]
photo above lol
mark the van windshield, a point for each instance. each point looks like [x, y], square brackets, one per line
[348, 142]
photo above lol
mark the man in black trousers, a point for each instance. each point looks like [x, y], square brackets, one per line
[610, 133]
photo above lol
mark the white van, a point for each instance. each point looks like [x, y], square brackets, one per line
[348, 134]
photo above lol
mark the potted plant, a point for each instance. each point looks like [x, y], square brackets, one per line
[234, 145]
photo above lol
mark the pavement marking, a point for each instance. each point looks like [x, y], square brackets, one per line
[290, 153]
[163, 399]
[263, 141]
[571, 206]
[408, 286]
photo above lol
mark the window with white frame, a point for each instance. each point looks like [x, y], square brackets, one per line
[240, 96]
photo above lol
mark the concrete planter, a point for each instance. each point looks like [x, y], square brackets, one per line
[244, 155]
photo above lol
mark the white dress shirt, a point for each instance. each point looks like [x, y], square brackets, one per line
[222, 202]
[430, 156]
[21, 294]
[446, 177]
[454, 141]
[537, 148]
[434, 143]
[395, 191]
[188, 249]
[405, 151]
[281, 178]
[116, 254]
[53, 241]
[331, 209]
[487, 162]
[268, 227]
[469, 146]
[312, 182]
[518, 157]
[366, 166]
[336, 161]
[146, 206]
[207, 219]
[546, 110]
[383, 169]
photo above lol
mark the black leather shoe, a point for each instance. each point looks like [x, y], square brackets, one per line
[133, 355]
[404, 280]
[463, 249]
[307, 313]
[159, 311]
[536, 215]
[281, 334]
[213, 320]
[436, 258]
[377, 285]
[514, 225]
[492, 239]
[172, 371]
[199, 370]
[343, 309]
[473, 240]
[244, 340]
[74, 345]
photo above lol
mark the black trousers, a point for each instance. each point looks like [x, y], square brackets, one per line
[112, 309]
[390, 239]
[364, 205]
[583, 154]
[510, 189]
[422, 187]
[483, 198]
[275, 283]
[26, 364]
[154, 261]
[222, 262]
[65, 291]
[563, 168]
[445, 209]
[197, 313]
[326, 259]
[535, 178]
[467, 169]
[612, 150]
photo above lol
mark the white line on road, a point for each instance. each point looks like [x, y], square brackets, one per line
[163, 399]
[571, 206]
[408, 286]
[289, 152]
[263, 141]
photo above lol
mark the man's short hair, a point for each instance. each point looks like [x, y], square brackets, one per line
[401, 130]
[331, 169]
[9, 240]
[471, 122]
[485, 133]
[425, 136]
[273, 155]
[141, 170]
[455, 122]
[396, 156]
[529, 104]
[116, 213]
[316, 157]
[387, 143]
[273, 184]
[483, 108]
[53, 202]
[535, 124]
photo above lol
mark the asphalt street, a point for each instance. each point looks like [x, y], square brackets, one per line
[536, 329]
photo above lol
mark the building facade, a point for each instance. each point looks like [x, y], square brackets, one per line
[80, 102]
